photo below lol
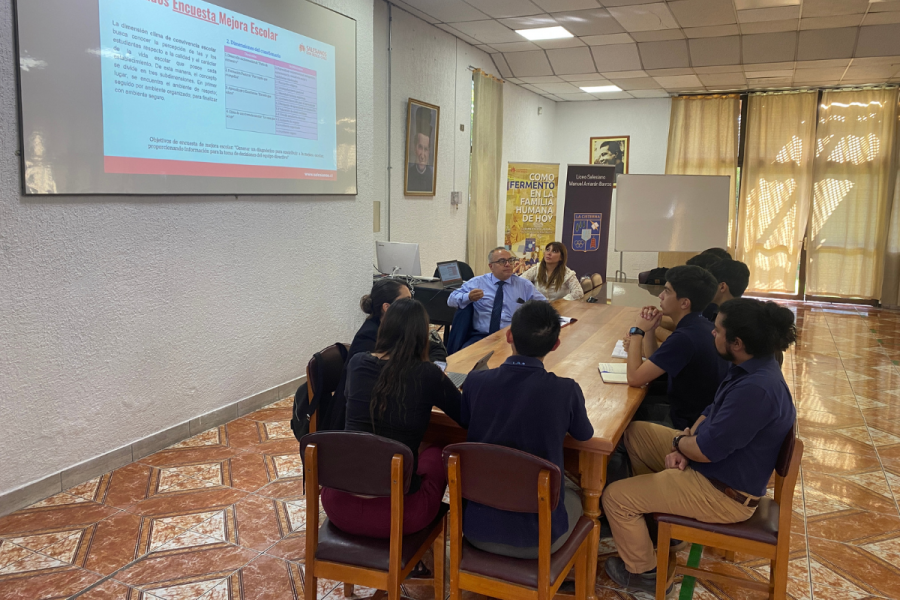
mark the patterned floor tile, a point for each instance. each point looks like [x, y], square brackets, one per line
[110, 590]
[46, 585]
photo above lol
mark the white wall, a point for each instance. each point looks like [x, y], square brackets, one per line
[646, 121]
[124, 316]
[433, 66]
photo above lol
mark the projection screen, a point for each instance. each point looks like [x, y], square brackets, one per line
[172, 97]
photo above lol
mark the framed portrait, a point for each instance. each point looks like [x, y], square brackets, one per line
[612, 151]
[422, 121]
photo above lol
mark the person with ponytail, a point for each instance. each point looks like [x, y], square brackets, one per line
[717, 470]
[390, 392]
[374, 304]
[552, 277]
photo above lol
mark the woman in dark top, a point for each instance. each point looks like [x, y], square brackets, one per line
[390, 392]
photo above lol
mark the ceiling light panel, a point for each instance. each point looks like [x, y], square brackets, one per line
[602, 89]
[545, 33]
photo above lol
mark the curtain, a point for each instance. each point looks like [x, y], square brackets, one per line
[776, 185]
[484, 186]
[853, 191]
[703, 140]
[890, 289]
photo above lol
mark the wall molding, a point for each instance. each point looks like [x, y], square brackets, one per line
[99, 465]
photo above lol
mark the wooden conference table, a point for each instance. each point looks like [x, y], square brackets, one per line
[610, 407]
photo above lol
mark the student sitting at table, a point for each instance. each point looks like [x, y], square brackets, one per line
[390, 392]
[496, 295]
[717, 470]
[521, 405]
[331, 414]
[552, 277]
[732, 277]
[688, 357]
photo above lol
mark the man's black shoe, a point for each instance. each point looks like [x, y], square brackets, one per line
[644, 582]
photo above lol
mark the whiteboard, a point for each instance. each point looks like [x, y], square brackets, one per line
[671, 213]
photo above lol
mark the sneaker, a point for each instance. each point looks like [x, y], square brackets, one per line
[643, 582]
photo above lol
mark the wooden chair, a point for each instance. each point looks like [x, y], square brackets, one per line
[766, 534]
[597, 279]
[324, 369]
[586, 284]
[368, 465]
[507, 479]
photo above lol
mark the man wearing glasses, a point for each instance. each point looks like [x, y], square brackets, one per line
[495, 295]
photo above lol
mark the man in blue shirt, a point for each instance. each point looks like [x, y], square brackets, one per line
[496, 295]
[716, 470]
[520, 405]
[688, 356]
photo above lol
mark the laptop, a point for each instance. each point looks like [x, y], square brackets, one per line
[481, 365]
[450, 275]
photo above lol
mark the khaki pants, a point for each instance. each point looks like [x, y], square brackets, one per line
[657, 489]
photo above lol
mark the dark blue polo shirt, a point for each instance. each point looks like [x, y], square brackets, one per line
[745, 426]
[520, 405]
[695, 369]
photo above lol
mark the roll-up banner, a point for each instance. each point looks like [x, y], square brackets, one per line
[530, 211]
[586, 217]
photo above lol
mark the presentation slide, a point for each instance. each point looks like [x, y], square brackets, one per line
[172, 97]
[218, 94]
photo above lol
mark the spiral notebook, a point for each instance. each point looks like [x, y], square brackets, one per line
[613, 372]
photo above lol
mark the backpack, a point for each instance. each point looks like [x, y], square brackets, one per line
[304, 408]
[657, 276]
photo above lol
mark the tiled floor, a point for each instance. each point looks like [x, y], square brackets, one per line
[221, 515]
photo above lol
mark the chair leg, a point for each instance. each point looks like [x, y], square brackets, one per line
[778, 570]
[581, 570]
[440, 545]
[348, 590]
[310, 585]
[729, 555]
[663, 540]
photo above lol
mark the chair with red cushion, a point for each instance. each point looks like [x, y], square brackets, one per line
[766, 534]
[509, 479]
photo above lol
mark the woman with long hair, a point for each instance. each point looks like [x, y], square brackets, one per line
[390, 392]
[552, 277]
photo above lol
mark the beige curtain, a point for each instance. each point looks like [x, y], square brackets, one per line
[890, 289]
[776, 185]
[852, 193]
[484, 185]
[703, 140]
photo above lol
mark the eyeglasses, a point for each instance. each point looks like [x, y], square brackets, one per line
[504, 261]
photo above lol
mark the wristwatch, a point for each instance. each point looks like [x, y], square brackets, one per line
[636, 331]
[676, 441]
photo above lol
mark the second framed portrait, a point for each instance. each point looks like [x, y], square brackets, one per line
[612, 151]
[422, 121]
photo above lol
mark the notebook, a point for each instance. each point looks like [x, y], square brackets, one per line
[619, 350]
[613, 372]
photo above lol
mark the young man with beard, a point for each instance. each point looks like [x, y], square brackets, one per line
[716, 470]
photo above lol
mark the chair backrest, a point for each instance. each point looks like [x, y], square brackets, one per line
[327, 364]
[501, 477]
[461, 329]
[643, 276]
[586, 284]
[783, 463]
[358, 462]
[597, 279]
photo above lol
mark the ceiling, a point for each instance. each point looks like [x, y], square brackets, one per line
[654, 49]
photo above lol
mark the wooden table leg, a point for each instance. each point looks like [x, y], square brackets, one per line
[593, 477]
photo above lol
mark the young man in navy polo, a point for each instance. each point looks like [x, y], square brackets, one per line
[688, 356]
[520, 405]
[716, 470]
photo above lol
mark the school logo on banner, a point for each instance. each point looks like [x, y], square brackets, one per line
[586, 230]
